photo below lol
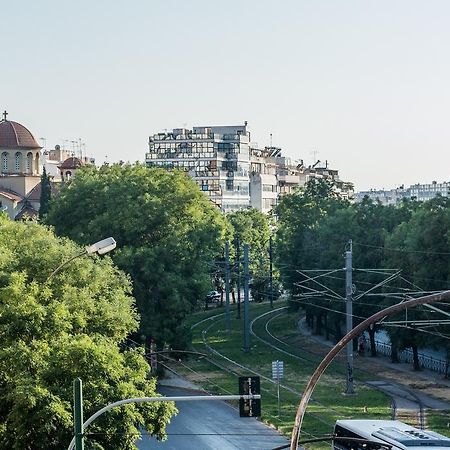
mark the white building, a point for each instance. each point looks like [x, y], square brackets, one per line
[419, 192]
[233, 172]
[218, 158]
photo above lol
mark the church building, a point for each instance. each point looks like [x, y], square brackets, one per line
[21, 170]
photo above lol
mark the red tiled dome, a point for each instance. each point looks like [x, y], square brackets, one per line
[14, 135]
[71, 163]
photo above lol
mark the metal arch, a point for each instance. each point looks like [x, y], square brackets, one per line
[342, 343]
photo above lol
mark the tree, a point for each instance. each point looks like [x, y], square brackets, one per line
[297, 241]
[421, 248]
[46, 192]
[252, 227]
[167, 233]
[54, 330]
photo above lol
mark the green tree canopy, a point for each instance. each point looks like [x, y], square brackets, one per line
[252, 227]
[54, 330]
[167, 234]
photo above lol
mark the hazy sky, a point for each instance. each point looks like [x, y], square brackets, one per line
[365, 84]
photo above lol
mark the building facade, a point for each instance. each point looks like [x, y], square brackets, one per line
[21, 166]
[233, 172]
[419, 192]
[217, 158]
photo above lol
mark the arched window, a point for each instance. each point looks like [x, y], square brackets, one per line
[18, 166]
[4, 162]
[36, 164]
[68, 175]
[29, 162]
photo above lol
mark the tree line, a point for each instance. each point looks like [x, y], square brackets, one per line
[409, 243]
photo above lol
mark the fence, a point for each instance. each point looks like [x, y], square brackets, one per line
[426, 361]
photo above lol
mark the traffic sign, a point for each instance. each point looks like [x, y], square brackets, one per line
[249, 407]
[277, 370]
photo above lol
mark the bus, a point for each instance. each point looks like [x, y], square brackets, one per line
[384, 434]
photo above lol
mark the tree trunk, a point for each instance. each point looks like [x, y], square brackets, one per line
[233, 296]
[373, 348]
[416, 362]
[394, 353]
[318, 327]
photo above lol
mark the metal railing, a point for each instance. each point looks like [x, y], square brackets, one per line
[406, 356]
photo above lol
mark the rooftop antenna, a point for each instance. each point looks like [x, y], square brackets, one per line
[270, 139]
[44, 143]
[315, 154]
[73, 147]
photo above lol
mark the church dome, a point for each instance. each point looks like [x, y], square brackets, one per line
[71, 163]
[13, 135]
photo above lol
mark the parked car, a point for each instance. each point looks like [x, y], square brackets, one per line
[213, 296]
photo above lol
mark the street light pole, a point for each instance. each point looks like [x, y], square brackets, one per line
[100, 247]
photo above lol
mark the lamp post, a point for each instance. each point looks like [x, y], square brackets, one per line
[100, 247]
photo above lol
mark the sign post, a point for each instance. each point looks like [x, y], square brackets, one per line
[277, 374]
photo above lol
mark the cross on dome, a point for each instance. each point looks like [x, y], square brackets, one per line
[4, 115]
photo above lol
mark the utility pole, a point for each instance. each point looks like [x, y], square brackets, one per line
[78, 413]
[349, 315]
[238, 266]
[262, 295]
[271, 271]
[246, 315]
[227, 286]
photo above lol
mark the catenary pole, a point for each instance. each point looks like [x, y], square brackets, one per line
[364, 325]
[271, 271]
[349, 316]
[227, 286]
[246, 299]
[238, 267]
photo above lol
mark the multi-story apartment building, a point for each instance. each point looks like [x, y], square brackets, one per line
[218, 158]
[234, 173]
[420, 192]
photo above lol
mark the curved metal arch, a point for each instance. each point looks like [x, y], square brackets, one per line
[342, 343]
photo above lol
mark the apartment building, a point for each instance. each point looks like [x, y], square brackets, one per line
[419, 192]
[218, 158]
[234, 173]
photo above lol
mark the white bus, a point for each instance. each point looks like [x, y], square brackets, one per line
[391, 433]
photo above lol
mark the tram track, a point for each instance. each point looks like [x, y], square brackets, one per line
[414, 414]
[247, 370]
[417, 417]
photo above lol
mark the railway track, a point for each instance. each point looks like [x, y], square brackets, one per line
[406, 405]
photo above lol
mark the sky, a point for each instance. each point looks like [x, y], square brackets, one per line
[364, 85]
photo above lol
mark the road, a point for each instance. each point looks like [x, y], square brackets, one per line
[212, 425]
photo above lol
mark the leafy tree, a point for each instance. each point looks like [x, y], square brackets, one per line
[53, 330]
[167, 233]
[252, 227]
[297, 242]
[46, 192]
[421, 248]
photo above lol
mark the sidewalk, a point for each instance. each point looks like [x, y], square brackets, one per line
[172, 379]
[422, 383]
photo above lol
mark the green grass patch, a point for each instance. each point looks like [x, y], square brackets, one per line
[328, 403]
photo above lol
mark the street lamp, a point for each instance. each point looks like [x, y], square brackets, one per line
[100, 247]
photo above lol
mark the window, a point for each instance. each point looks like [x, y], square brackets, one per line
[29, 162]
[18, 165]
[5, 161]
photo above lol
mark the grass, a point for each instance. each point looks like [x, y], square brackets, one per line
[328, 403]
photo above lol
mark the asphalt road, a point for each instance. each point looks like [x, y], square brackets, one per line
[212, 425]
